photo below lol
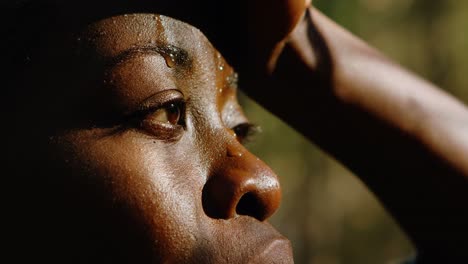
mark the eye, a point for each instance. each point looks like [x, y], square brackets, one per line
[245, 132]
[165, 121]
[168, 114]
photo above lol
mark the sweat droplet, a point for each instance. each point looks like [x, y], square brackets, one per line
[160, 30]
[233, 152]
[170, 60]
[232, 80]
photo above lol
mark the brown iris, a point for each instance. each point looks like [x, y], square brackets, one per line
[169, 114]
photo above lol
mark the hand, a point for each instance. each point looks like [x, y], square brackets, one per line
[270, 22]
[246, 32]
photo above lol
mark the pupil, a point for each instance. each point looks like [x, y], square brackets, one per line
[173, 113]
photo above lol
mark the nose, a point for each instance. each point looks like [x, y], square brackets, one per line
[241, 184]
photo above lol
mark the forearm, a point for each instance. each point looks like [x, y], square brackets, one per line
[365, 79]
[402, 136]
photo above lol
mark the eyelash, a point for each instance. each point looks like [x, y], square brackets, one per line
[142, 116]
[246, 132]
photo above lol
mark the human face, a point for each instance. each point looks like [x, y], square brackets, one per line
[162, 156]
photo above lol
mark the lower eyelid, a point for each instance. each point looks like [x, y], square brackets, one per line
[161, 130]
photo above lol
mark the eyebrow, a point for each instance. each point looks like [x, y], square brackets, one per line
[172, 54]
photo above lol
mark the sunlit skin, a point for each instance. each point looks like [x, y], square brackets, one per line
[187, 180]
[404, 137]
[160, 150]
[128, 135]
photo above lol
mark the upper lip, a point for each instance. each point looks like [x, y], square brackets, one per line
[252, 241]
[277, 250]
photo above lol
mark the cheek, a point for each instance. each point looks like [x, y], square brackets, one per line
[156, 184]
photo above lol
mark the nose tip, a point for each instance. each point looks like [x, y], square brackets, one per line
[241, 185]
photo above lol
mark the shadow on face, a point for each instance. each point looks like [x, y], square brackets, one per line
[138, 155]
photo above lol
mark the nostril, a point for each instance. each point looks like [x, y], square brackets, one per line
[250, 205]
[241, 186]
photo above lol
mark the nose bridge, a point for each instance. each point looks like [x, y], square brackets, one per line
[240, 184]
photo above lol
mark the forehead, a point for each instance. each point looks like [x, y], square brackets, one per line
[144, 41]
[112, 36]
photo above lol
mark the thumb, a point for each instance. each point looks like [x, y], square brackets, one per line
[272, 20]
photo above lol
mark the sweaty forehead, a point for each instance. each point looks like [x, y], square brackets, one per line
[113, 36]
[140, 39]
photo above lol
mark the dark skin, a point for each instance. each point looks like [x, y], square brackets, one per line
[404, 137]
[143, 159]
[178, 161]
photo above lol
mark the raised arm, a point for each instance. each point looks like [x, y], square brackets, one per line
[404, 137]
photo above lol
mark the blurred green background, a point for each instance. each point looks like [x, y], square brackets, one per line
[328, 213]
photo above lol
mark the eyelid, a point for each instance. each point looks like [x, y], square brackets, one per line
[152, 103]
[249, 132]
[159, 99]
[141, 117]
